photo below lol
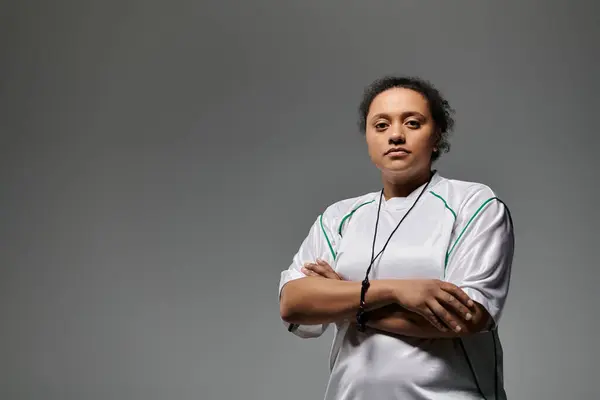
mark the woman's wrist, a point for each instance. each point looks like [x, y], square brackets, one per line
[381, 293]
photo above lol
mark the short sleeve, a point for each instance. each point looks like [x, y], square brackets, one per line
[480, 256]
[319, 243]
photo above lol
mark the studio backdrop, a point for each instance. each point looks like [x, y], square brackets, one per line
[161, 162]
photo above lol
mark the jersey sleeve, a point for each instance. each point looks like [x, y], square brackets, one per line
[320, 242]
[480, 256]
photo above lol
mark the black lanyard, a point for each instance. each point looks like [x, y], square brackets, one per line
[360, 315]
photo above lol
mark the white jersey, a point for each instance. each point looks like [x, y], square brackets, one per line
[459, 232]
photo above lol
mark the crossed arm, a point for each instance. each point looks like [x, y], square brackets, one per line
[395, 319]
[399, 321]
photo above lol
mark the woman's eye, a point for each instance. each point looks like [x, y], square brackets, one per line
[413, 123]
[380, 125]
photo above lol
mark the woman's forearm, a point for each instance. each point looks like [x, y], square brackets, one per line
[396, 320]
[316, 300]
[404, 326]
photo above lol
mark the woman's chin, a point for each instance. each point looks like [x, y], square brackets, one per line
[400, 171]
[395, 169]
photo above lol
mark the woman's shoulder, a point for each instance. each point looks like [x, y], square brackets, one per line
[340, 209]
[464, 188]
[464, 195]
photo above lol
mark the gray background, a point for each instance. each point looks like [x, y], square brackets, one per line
[160, 163]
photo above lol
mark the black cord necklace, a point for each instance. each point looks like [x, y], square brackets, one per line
[361, 317]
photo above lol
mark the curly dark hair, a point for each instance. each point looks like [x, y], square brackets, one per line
[439, 107]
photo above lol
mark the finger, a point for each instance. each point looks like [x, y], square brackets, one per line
[458, 293]
[316, 268]
[434, 320]
[453, 304]
[445, 316]
[326, 267]
[308, 272]
[323, 263]
[322, 270]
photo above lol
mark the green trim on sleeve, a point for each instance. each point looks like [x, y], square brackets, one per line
[350, 214]
[464, 230]
[445, 203]
[326, 237]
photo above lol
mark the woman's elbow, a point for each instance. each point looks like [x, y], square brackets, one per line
[289, 299]
[287, 309]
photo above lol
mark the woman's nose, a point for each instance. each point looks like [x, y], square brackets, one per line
[397, 133]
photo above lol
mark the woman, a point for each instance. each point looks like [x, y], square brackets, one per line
[414, 277]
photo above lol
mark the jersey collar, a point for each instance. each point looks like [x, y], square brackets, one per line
[402, 203]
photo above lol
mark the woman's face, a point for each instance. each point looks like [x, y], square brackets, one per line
[400, 133]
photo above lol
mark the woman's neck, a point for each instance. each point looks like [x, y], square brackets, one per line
[402, 187]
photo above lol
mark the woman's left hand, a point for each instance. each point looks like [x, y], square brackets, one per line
[320, 268]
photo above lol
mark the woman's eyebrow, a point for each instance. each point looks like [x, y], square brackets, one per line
[403, 115]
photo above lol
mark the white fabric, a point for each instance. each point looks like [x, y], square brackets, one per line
[459, 232]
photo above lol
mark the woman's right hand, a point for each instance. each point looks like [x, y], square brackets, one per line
[443, 304]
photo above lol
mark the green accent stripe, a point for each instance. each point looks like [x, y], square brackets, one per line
[445, 203]
[326, 237]
[465, 228]
[350, 214]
